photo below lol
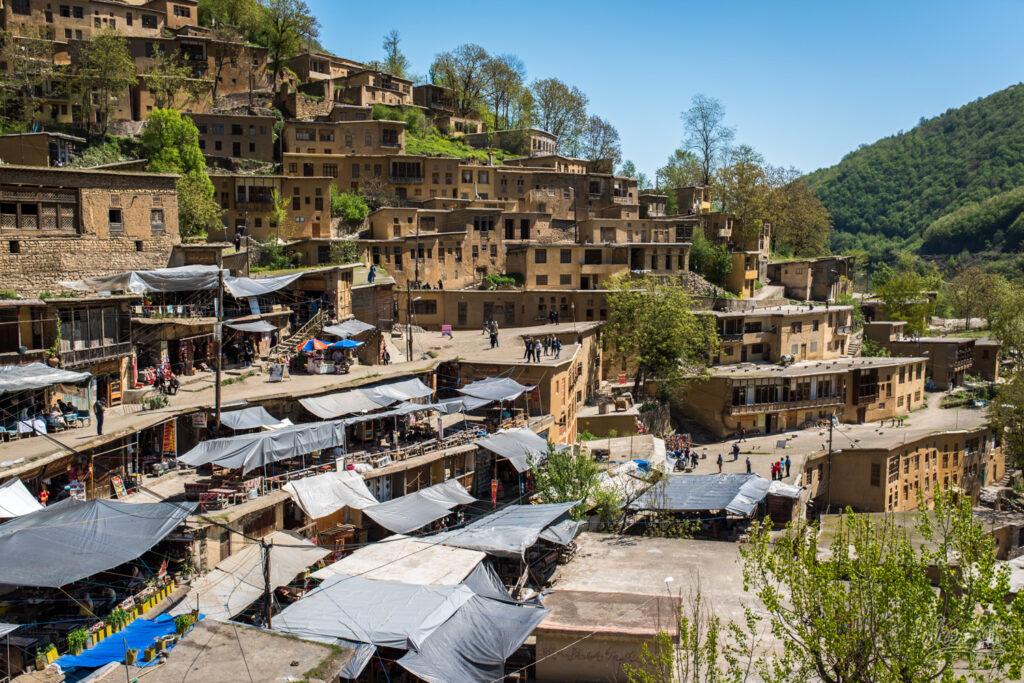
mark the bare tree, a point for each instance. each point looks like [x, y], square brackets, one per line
[600, 140]
[561, 110]
[706, 133]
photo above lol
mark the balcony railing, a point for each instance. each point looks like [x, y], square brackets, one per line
[779, 406]
[866, 399]
[406, 180]
[95, 354]
[844, 329]
[732, 336]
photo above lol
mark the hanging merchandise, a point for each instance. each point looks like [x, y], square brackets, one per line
[170, 439]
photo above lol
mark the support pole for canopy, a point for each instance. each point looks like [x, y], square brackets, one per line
[266, 582]
[219, 343]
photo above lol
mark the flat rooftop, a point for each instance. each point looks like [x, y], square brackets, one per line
[787, 310]
[637, 565]
[609, 613]
[812, 367]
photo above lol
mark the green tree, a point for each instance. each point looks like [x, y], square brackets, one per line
[652, 327]
[561, 110]
[395, 62]
[1007, 416]
[103, 70]
[345, 251]
[967, 291]
[284, 27]
[463, 70]
[800, 222]
[504, 91]
[630, 170]
[884, 602]
[243, 14]
[707, 136]
[29, 56]
[600, 140]
[170, 81]
[567, 475]
[1008, 321]
[907, 294]
[710, 261]
[171, 143]
[350, 206]
[744, 190]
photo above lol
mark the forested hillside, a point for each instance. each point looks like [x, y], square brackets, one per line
[948, 185]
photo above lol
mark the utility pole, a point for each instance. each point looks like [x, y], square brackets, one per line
[266, 582]
[218, 341]
[408, 321]
[828, 493]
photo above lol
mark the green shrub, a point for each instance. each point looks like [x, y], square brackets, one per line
[350, 206]
[870, 349]
[274, 257]
[8, 294]
[497, 280]
[345, 251]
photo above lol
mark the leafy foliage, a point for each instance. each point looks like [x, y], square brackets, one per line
[345, 251]
[710, 261]
[900, 187]
[350, 206]
[1007, 415]
[651, 326]
[103, 68]
[415, 122]
[494, 281]
[565, 476]
[906, 293]
[284, 27]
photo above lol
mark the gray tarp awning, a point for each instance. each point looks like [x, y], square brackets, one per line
[36, 376]
[255, 326]
[561, 533]
[249, 418]
[243, 287]
[495, 389]
[407, 560]
[392, 392]
[237, 582]
[735, 493]
[250, 451]
[342, 403]
[422, 619]
[69, 541]
[507, 532]
[324, 494]
[460, 405]
[8, 628]
[415, 510]
[517, 445]
[784, 490]
[183, 279]
[15, 499]
[347, 329]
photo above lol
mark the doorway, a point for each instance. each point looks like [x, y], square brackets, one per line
[768, 424]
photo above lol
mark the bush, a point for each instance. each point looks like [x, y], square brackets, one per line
[415, 121]
[346, 251]
[870, 349]
[350, 206]
[274, 257]
[497, 280]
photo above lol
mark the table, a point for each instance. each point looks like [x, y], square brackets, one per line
[36, 425]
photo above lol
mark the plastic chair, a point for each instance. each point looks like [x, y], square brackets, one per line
[84, 416]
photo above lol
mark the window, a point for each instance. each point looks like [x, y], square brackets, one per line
[542, 280]
[815, 325]
[540, 256]
[565, 255]
[180, 11]
[115, 222]
[494, 250]
[20, 7]
[447, 178]
[331, 170]
[796, 328]
[236, 129]
[367, 140]
[77, 12]
[565, 279]
[296, 203]
[217, 144]
[424, 307]
[65, 11]
[148, 21]
[876, 474]
[218, 128]
[307, 170]
[293, 167]
[156, 221]
[482, 177]
[128, 18]
[467, 176]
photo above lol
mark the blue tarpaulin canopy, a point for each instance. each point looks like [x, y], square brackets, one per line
[139, 635]
[346, 344]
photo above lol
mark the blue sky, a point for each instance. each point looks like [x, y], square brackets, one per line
[802, 82]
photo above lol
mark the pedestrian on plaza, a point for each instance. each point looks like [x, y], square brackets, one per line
[238, 241]
[748, 464]
[372, 275]
[528, 343]
[99, 408]
[775, 470]
[743, 434]
[536, 350]
[736, 451]
[557, 314]
[558, 347]
[547, 344]
[173, 385]
[788, 463]
[494, 340]
[719, 463]
[386, 358]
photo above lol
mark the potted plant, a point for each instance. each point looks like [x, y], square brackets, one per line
[77, 640]
[51, 653]
[149, 654]
[161, 645]
[41, 658]
[130, 656]
[182, 623]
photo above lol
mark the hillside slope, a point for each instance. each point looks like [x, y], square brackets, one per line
[899, 186]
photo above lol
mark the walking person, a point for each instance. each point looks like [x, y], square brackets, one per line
[372, 275]
[775, 470]
[736, 451]
[743, 434]
[99, 408]
[528, 343]
[748, 464]
[558, 347]
[788, 463]
[719, 463]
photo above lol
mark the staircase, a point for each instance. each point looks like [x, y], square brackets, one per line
[854, 344]
[287, 347]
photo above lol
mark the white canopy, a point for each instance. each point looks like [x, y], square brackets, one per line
[237, 581]
[517, 445]
[495, 389]
[414, 510]
[243, 287]
[511, 530]
[349, 328]
[254, 326]
[365, 399]
[182, 279]
[408, 560]
[249, 418]
[250, 451]
[36, 376]
[319, 496]
[392, 392]
[15, 499]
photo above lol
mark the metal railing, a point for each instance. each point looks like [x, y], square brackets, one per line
[777, 406]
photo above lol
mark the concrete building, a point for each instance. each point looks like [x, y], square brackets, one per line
[949, 358]
[319, 66]
[693, 200]
[40, 149]
[820, 279]
[885, 473]
[76, 223]
[770, 334]
[80, 20]
[763, 398]
[530, 142]
[235, 136]
[369, 87]
[653, 205]
[987, 359]
[248, 204]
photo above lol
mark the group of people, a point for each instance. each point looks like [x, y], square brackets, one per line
[166, 385]
[491, 330]
[549, 344]
[553, 316]
[243, 351]
[686, 457]
[779, 466]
